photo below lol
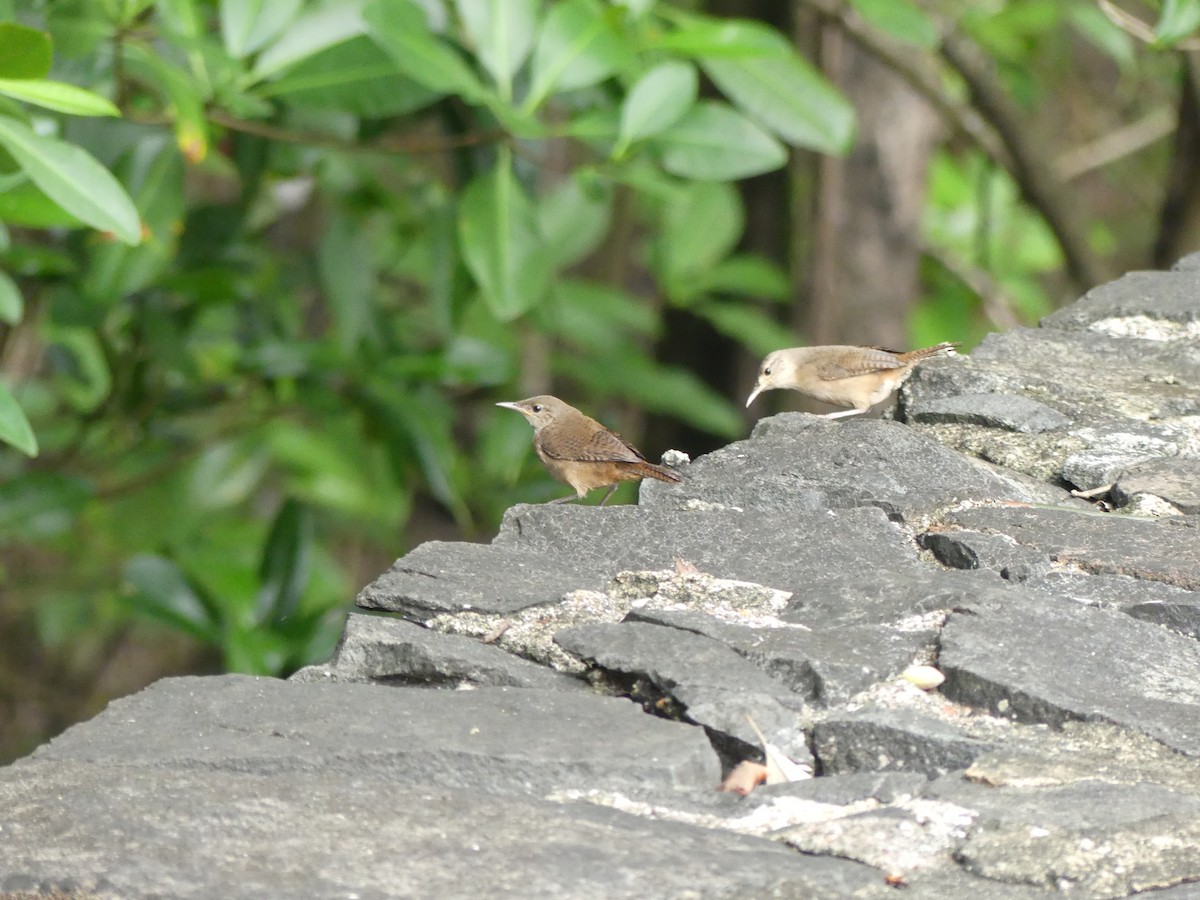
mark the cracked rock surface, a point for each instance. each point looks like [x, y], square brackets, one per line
[550, 714]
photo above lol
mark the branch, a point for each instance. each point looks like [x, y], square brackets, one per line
[1034, 176]
[996, 304]
[963, 118]
[991, 121]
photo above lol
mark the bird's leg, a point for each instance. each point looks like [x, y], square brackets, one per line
[841, 414]
[566, 499]
[609, 494]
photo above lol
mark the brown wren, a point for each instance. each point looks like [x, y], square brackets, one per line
[854, 377]
[579, 451]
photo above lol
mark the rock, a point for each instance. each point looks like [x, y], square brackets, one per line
[1166, 297]
[393, 651]
[218, 833]
[1110, 455]
[1181, 615]
[1165, 550]
[1051, 662]
[712, 684]
[892, 740]
[1011, 412]
[789, 580]
[501, 740]
[1100, 839]
[1177, 481]
[966, 549]
[796, 461]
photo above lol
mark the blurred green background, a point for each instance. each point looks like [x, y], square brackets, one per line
[266, 266]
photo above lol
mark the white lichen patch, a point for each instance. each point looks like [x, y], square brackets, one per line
[1147, 329]
[734, 602]
[530, 632]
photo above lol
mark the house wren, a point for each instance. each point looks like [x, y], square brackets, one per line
[856, 377]
[579, 451]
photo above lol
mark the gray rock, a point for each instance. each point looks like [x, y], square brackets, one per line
[850, 789]
[1102, 463]
[892, 740]
[975, 550]
[1121, 592]
[1176, 481]
[159, 832]
[795, 461]
[440, 577]
[1181, 615]
[503, 740]
[1165, 550]
[825, 666]
[1052, 662]
[1101, 839]
[1167, 296]
[1011, 412]
[393, 651]
[712, 684]
[544, 552]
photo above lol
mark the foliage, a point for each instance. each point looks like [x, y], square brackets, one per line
[333, 233]
[266, 266]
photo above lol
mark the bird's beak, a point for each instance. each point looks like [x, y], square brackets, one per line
[510, 405]
[754, 393]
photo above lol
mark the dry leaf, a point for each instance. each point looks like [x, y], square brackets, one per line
[744, 777]
[780, 769]
[683, 567]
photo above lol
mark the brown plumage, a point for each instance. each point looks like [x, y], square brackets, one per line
[856, 377]
[579, 451]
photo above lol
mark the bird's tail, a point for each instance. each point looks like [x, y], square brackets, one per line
[650, 470]
[946, 349]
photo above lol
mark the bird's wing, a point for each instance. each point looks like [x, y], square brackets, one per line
[596, 445]
[856, 361]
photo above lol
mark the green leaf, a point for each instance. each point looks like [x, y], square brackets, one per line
[310, 34]
[356, 77]
[183, 96]
[576, 48]
[574, 218]
[72, 178]
[14, 427]
[60, 97]
[24, 52]
[159, 589]
[714, 143]
[399, 27]
[501, 31]
[745, 275]
[248, 25]
[747, 324]
[347, 274]
[600, 318]
[156, 182]
[1179, 19]
[285, 562]
[12, 306]
[500, 242]
[788, 96]
[702, 223]
[701, 36]
[899, 19]
[656, 102]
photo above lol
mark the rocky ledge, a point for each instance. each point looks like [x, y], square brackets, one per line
[550, 715]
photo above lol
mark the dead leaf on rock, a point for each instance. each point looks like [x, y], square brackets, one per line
[683, 567]
[780, 769]
[743, 778]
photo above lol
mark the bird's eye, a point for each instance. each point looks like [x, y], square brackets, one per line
[537, 407]
[767, 370]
